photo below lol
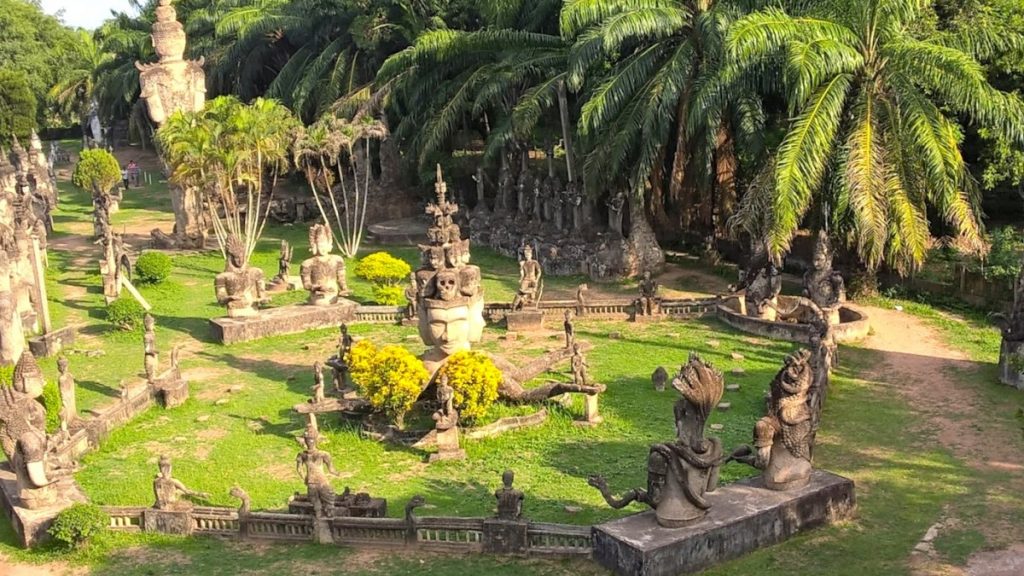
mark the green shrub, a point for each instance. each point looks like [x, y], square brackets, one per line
[383, 269]
[125, 313]
[390, 378]
[77, 524]
[388, 295]
[97, 171]
[153, 267]
[474, 380]
[1004, 256]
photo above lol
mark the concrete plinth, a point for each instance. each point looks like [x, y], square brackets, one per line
[448, 446]
[525, 321]
[47, 345]
[167, 521]
[31, 525]
[743, 517]
[172, 389]
[506, 536]
[283, 320]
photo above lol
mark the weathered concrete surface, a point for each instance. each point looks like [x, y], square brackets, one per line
[31, 525]
[1011, 364]
[47, 345]
[743, 517]
[283, 320]
[525, 321]
[853, 324]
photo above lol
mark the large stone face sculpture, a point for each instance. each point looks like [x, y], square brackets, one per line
[323, 274]
[239, 287]
[783, 438]
[679, 473]
[450, 300]
[173, 83]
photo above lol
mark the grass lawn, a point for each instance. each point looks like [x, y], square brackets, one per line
[239, 428]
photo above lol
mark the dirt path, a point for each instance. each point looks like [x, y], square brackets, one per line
[933, 377]
[9, 568]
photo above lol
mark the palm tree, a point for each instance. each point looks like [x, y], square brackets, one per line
[76, 91]
[872, 141]
[657, 105]
[226, 152]
[330, 152]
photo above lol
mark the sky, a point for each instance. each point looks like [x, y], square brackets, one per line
[85, 13]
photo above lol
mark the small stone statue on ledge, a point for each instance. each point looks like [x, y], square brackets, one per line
[570, 330]
[648, 304]
[446, 416]
[318, 383]
[680, 472]
[166, 489]
[313, 465]
[510, 500]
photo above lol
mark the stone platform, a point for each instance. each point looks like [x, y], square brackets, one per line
[47, 345]
[284, 320]
[744, 516]
[31, 525]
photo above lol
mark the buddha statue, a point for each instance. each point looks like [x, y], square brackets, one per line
[323, 274]
[240, 286]
[173, 84]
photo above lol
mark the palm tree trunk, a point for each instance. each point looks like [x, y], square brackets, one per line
[725, 178]
[656, 200]
[563, 113]
[681, 195]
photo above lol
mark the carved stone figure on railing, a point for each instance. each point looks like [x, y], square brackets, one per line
[530, 286]
[615, 206]
[510, 500]
[167, 489]
[101, 204]
[648, 304]
[450, 296]
[782, 438]
[151, 359]
[323, 274]
[822, 284]
[313, 465]
[679, 473]
[240, 286]
[66, 384]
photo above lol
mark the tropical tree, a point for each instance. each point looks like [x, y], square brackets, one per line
[97, 171]
[330, 153]
[656, 104]
[503, 78]
[17, 106]
[232, 154]
[75, 92]
[872, 141]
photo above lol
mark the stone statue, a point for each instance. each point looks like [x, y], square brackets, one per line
[762, 283]
[345, 342]
[318, 383]
[574, 199]
[570, 330]
[152, 358]
[523, 186]
[240, 286]
[782, 438]
[313, 465]
[538, 202]
[449, 292]
[481, 194]
[648, 304]
[446, 416]
[66, 383]
[578, 364]
[412, 292]
[284, 262]
[581, 299]
[510, 500]
[681, 472]
[823, 285]
[323, 274]
[530, 285]
[23, 439]
[173, 83]
[166, 488]
[101, 208]
[615, 205]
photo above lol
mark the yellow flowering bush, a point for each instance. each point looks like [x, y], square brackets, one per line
[390, 378]
[474, 379]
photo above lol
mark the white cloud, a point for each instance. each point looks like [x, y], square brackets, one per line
[85, 13]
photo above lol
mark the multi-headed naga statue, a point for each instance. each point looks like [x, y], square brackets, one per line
[679, 473]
